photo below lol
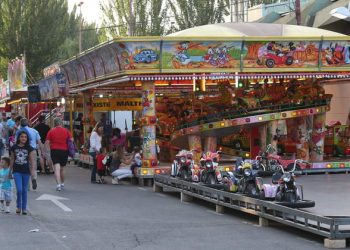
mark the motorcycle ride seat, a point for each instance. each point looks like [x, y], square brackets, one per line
[276, 177]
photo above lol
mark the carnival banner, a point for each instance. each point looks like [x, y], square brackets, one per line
[16, 74]
[52, 87]
[335, 54]
[4, 89]
[280, 54]
[115, 104]
[135, 56]
[201, 56]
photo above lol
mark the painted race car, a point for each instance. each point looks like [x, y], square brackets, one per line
[146, 56]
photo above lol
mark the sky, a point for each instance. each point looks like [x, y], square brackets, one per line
[90, 9]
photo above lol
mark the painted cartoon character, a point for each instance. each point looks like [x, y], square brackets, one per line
[209, 56]
[182, 55]
[334, 54]
[222, 57]
[317, 138]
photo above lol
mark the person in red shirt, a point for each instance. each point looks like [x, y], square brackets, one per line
[57, 139]
[101, 168]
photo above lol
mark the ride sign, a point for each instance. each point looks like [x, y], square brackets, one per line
[113, 104]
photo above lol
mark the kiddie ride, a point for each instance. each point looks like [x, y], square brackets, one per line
[183, 165]
[283, 190]
[269, 162]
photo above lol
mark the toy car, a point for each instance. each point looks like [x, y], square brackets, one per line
[146, 56]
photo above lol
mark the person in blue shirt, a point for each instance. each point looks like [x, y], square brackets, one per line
[11, 122]
[5, 185]
[35, 143]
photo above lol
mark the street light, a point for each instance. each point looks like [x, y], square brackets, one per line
[80, 26]
[341, 12]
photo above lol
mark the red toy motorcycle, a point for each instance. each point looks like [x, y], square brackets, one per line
[210, 174]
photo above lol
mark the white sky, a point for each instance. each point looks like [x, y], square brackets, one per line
[90, 9]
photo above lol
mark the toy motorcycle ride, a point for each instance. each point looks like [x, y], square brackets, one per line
[284, 190]
[210, 174]
[182, 165]
[247, 175]
[271, 162]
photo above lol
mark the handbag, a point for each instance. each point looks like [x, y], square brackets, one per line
[71, 147]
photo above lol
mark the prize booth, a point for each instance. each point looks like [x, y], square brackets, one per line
[239, 88]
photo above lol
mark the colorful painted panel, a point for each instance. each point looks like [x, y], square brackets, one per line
[335, 53]
[16, 74]
[97, 63]
[200, 55]
[139, 56]
[88, 67]
[277, 54]
[108, 58]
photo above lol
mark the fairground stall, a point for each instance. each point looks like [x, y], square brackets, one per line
[233, 87]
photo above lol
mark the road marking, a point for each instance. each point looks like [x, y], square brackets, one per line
[55, 200]
[143, 189]
[161, 195]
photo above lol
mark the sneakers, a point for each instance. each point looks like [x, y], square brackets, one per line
[18, 210]
[62, 185]
[2, 207]
[58, 188]
[7, 209]
[24, 212]
[115, 181]
[34, 184]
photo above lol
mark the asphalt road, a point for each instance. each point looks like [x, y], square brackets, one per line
[132, 217]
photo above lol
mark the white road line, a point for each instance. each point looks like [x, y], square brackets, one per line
[143, 189]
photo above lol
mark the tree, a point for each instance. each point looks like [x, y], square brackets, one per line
[257, 2]
[134, 17]
[38, 28]
[191, 13]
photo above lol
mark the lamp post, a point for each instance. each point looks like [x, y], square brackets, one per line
[341, 12]
[80, 26]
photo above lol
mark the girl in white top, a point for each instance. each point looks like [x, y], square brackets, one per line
[95, 146]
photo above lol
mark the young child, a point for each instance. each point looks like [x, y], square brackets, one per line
[101, 168]
[5, 185]
[137, 161]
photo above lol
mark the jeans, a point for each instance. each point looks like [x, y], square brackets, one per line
[122, 173]
[21, 181]
[94, 167]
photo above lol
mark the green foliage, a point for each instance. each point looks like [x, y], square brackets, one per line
[43, 30]
[146, 17]
[257, 2]
[191, 13]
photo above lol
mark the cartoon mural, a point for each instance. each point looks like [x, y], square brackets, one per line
[335, 53]
[201, 55]
[138, 55]
[277, 54]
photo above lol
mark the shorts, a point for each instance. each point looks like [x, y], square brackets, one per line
[59, 157]
[101, 172]
[6, 194]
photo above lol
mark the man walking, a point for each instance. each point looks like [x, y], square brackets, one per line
[35, 142]
[43, 129]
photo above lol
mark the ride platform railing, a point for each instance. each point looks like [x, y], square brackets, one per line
[335, 230]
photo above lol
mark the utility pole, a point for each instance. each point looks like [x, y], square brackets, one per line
[80, 26]
[297, 12]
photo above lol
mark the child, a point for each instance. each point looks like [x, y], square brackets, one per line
[101, 168]
[5, 185]
[137, 161]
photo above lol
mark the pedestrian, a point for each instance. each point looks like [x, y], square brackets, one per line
[35, 143]
[95, 147]
[2, 138]
[5, 185]
[21, 158]
[43, 129]
[57, 141]
[11, 122]
[79, 131]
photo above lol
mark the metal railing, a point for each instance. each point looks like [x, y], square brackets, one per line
[252, 111]
[326, 226]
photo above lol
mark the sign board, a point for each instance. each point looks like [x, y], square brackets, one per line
[108, 104]
[51, 70]
[16, 74]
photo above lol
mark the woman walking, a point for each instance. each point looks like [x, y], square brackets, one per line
[57, 141]
[95, 147]
[22, 156]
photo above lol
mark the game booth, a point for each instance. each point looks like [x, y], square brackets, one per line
[233, 87]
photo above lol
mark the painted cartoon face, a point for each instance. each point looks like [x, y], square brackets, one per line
[217, 50]
[224, 50]
[210, 51]
[184, 45]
